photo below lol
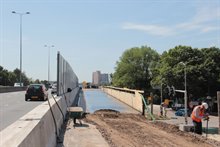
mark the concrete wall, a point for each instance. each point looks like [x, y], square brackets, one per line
[4, 89]
[37, 128]
[128, 96]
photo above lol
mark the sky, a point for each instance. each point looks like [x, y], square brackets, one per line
[93, 34]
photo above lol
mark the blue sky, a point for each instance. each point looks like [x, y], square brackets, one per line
[92, 34]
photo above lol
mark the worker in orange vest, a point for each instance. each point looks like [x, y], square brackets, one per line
[197, 115]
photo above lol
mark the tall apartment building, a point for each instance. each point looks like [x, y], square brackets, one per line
[104, 78]
[100, 79]
[96, 78]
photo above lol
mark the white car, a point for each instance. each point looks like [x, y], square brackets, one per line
[18, 84]
[54, 88]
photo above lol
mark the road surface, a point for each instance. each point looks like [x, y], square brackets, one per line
[13, 106]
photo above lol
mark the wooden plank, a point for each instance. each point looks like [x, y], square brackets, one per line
[75, 109]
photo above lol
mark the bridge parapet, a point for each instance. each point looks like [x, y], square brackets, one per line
[37, 128]
[130, 97]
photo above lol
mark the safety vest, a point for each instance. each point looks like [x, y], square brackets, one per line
[201, 113]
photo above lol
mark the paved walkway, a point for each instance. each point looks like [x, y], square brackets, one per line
[82, 136]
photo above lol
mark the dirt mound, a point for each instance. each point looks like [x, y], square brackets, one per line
[101, 111]
[122, 129]
[108, 113]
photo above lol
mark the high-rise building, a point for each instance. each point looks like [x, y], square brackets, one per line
[100, 79]
[104, 78]
[96, 78]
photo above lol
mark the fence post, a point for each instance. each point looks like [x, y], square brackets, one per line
[218, 102]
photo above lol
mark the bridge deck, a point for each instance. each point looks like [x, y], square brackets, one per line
[97, 99]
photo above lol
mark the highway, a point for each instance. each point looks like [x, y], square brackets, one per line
[13, 106]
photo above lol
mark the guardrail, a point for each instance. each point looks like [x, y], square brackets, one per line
[4, 89]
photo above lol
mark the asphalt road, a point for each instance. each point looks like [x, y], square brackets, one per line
[13, 106]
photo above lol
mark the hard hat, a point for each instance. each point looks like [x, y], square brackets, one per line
[205, 105]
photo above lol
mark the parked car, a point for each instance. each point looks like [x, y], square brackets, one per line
[36, 92]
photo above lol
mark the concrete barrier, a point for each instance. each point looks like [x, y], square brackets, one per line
[37, 128]
[128, 96]
[186, 127]
[4, 89]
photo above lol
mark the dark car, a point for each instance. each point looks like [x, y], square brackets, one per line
[36, 92]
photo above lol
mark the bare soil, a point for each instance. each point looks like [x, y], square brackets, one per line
[134, 130]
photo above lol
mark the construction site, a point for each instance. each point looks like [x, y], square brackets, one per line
[135, 130]
[110, 127]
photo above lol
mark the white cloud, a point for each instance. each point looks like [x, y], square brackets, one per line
[206, 13]
[205, 20]
[209, 28]
[151, 29]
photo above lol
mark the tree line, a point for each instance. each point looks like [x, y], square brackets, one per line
[145, 69]
[8, 78]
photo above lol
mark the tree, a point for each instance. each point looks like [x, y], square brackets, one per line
[17, 73]
[11, 78]
[37, 81]
[4, 80]
[8, 78]
[202, 69]
[135, 67]
[211, 70]
[24, 78]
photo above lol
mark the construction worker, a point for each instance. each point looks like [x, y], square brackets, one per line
[197, 115]
[165, 109]
[165, 106]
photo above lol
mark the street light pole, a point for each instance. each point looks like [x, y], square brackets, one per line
[185, 94]
[48, 60]
[20, 14]
[161, 93]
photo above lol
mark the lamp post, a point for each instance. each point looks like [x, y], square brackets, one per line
[20, 14]
[49, 46]
[185, 93]
[161, 91]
